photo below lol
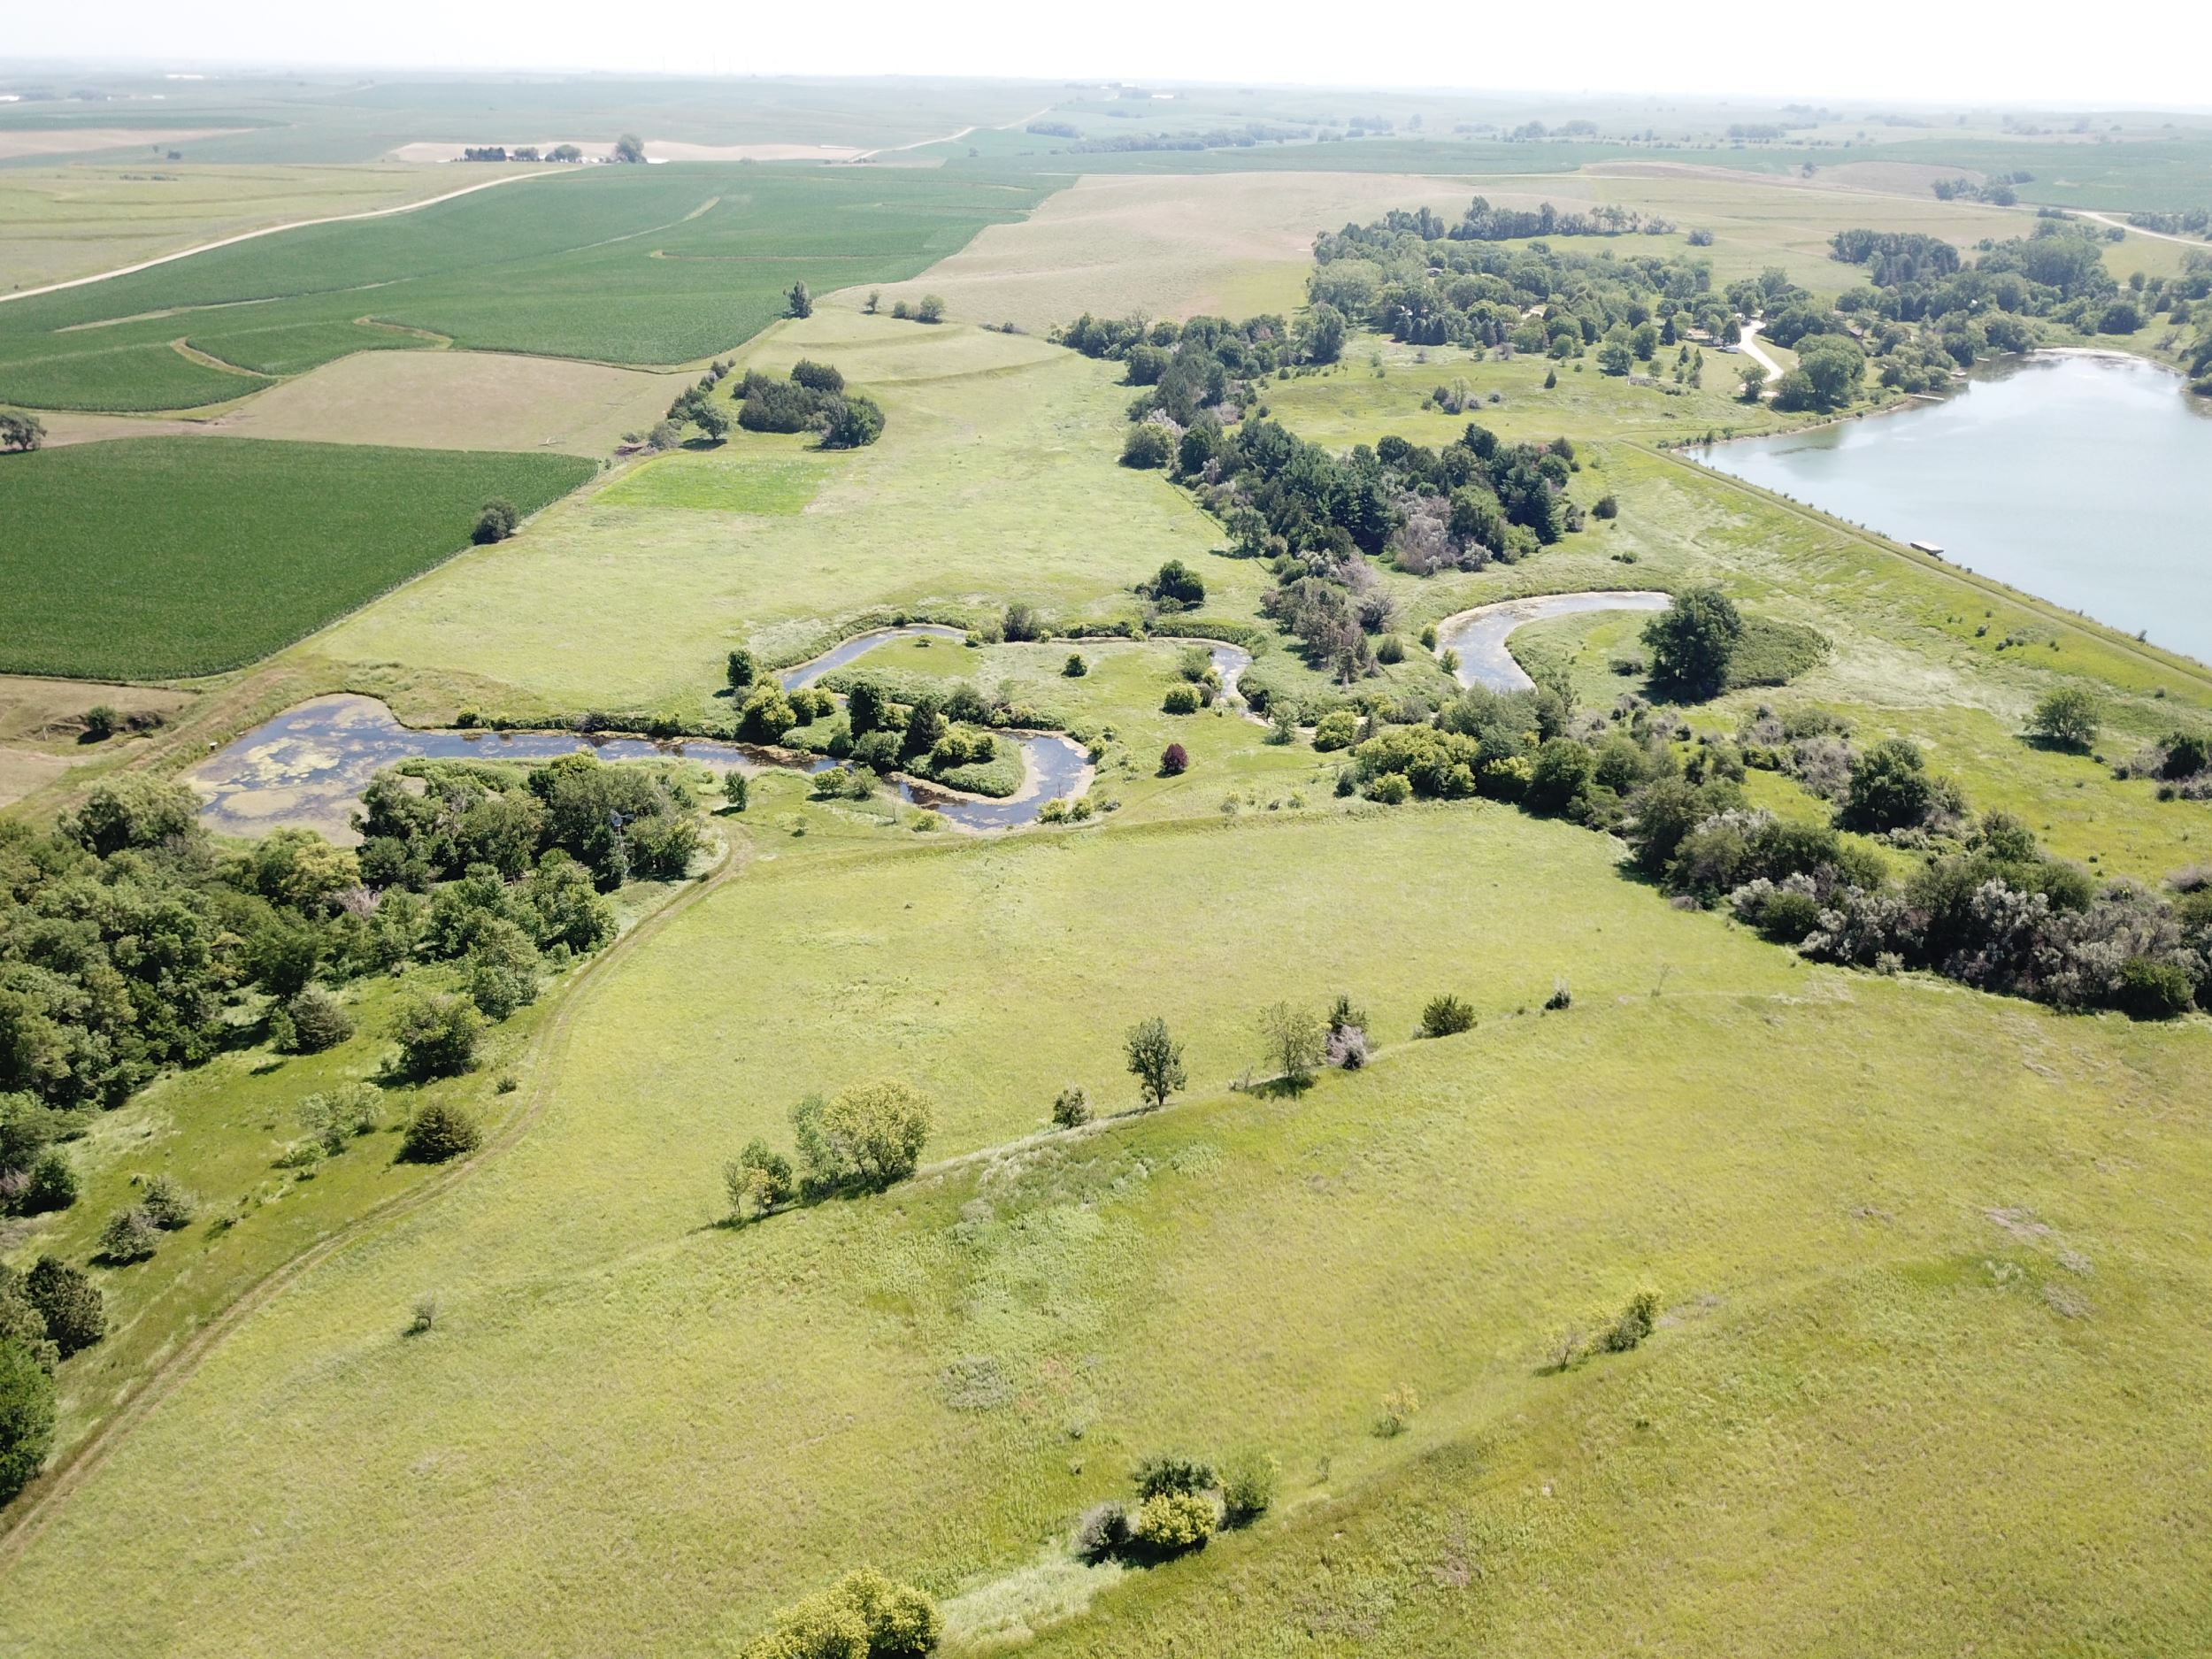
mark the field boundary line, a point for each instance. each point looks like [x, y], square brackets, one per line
[267, 230]
[26, 1521]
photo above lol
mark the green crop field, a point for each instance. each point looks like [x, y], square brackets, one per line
[697, 257]
[158, 557]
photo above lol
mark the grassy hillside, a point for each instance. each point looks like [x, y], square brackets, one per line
[1902, 1311]
[159, 558]
[626, 264]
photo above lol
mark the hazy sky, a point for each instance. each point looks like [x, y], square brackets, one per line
[2153, 52]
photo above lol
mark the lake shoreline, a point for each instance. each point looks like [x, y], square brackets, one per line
[2073, 483]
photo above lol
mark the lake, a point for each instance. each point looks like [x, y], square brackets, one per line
[2082, 480]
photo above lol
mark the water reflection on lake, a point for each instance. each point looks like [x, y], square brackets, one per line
[2080, 479]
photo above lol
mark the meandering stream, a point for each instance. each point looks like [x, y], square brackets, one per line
[308, 766]
[1479, 635]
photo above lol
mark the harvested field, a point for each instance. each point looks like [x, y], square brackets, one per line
[1220, 243]
[459, 400]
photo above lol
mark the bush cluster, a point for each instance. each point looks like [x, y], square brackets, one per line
[813, 398]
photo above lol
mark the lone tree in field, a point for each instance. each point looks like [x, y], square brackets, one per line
[1156, 1060]
[496, 522]
[867, 1137]
[1693, 640]
[800, 303]
[630, 147]
[20, 433]
[2068, 717]
[1296, 1043]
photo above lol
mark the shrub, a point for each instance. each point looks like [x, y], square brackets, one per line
[1179, 700]
[72, 1304]
[438, 1132]
[129, 1236]
[1890, 789]
[318, 1020]
[1390, 650]
[1400, 1406]
[27, 1415]
[52, 1184]
[168, 1205]
[1102, 1531]
[1177, 582]
[1020, 624]
[818, 377]
[929, 309]
[100, 722]
[1072, 1107]
[1164, 1471]
[864, 1616]
[1075, 667]
[425, 1316]
[868, 1136]
[1347, 1047]
[1788, 917]
[1562, 996]
[737, 789]
[1174, 761]
[2150, 989]
[1147, 445]
[741, 670]
[1607, 507]
[498, 991]
[1635, 1323]
[1174, 1522]
[757, 1179]
[333, 1119]
[2187, 754]
[496, 523]
[437, 1034]
[1337, 729]
[1559, 776]
[2068, 717]
[1446, 1016]
[1391, 788]
[1248, 1485]
[857, 423]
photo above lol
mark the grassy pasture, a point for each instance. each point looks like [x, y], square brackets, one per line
[995, 480]
[700, 254]
[162, 557]
[1873, 1225]
[752, 478]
